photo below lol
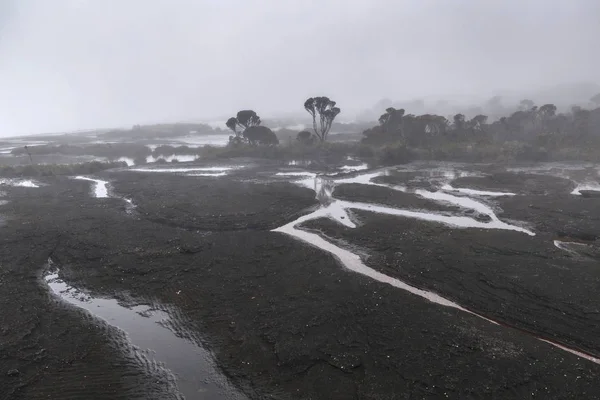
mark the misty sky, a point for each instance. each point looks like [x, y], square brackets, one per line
[74, 64]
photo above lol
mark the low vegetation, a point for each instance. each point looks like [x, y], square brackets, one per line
[107, 150]
[32, 171]
[531, 133]
[247, 130]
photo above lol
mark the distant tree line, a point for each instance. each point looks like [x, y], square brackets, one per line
[538, 126]
[247, 129]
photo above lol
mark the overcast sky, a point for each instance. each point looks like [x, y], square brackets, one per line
[71, 64]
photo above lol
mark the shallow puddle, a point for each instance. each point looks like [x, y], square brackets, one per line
[350, 168]
[190, 169]
[19, 182]
[130, 161]
[171, 158]
[299, 163]
[295, 173]
[217, 140]
[100, 187]
[474, 192]
[364, 179]
[196, 374]
[215, 174]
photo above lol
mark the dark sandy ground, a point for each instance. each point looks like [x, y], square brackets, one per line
[284, 319]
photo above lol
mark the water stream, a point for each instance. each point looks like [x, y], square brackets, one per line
[474, 192]
[337, 211]
[100, 187]
[128, 160]
[100, 190]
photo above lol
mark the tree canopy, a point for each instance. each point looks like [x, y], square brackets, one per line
[305, 137]
[326, 111]
[260, 135]
[536, 126]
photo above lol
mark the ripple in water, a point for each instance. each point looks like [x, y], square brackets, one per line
[195, 372]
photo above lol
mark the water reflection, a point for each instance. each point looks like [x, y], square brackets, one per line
[171, 158]
[195, 371]
[100, 188]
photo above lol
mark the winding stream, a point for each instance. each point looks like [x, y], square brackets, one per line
[337, 211]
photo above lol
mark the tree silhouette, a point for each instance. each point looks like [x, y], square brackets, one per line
[392, 119]
[248, 118]
[241, 122]
[232, 124]
[459, 122]
[477, 122]
[326, 111]
[28, 153]
[547, 110]
[257, 134]
[305, 137]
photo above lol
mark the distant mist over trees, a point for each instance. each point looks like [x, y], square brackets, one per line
[564, 97]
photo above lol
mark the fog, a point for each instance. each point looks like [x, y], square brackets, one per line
[77, 64]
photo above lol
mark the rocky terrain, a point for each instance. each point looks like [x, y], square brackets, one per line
[410, 289]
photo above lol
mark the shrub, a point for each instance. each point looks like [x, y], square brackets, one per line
[305, 137]
[393, 154]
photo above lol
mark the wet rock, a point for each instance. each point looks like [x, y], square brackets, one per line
[519, 183]
[483, 217]
[590, 193]
[563, 215]
[581, 236]
[13, 372]
[389, 197]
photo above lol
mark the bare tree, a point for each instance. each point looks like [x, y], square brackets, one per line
[29, 154]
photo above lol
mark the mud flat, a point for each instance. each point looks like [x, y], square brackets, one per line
[284, 318]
